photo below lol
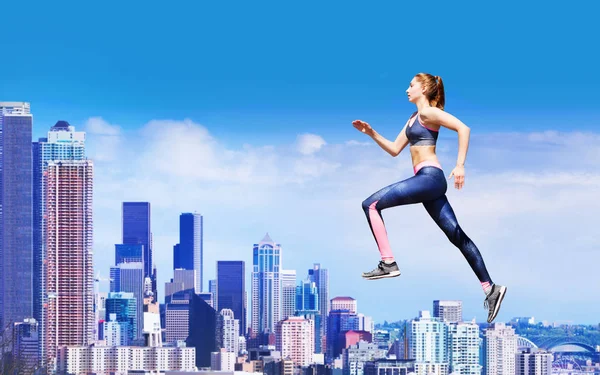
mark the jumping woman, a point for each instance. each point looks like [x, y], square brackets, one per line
[428, 185]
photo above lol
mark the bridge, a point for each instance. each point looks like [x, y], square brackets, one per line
[588, 348]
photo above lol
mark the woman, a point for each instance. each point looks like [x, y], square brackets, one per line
[428, 185]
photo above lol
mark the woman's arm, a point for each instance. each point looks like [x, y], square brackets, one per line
[433, 115]
[392, 148]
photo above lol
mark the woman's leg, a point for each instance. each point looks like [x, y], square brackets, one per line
[441, 212]
[416, 189]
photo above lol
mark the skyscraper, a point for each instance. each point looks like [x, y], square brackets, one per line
[187, 254]
[288, 293]
[61, 143]
[183, 280]
[295, 340]
[307, 305]
[69, 283]
[137, 231]
[266, 282]
[129, 254]
[428, 345]
[500, 349]
[307, 297]
[229, 331]
[16, 244]
[448, 311]
[320, 276]
[463, 348]
[340, 321]
[344, 303]
[124, 307]
[534, 362]
[129, 278]
[231, 287]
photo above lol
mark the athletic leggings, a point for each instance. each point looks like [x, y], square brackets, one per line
[427, 186]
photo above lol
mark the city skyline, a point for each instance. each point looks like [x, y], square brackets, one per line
[247, 121]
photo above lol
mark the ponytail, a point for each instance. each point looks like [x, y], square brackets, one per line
[434, 89]
[439, 98]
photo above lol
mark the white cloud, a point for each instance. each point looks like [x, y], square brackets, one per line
[103, 140]
[532, 218]
[308, 144]
[97, 125]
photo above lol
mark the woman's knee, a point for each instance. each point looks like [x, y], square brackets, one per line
[366, 204]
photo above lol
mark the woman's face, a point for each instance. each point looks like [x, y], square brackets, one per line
[414, 90]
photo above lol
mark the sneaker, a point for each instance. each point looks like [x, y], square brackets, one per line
[494, 300]
[383, 270]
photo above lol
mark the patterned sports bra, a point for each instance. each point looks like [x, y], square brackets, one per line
[420, 135]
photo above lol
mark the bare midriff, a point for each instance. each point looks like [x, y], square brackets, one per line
[423, 156]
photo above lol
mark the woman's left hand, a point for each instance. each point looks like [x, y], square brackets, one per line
[459, 176]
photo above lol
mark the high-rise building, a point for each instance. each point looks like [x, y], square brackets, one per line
[187, 254]
[129, 254]
[307, 306]
[222, 361]
[114, 332]
[137, 230]
[448, 311]
[212, 289]
[295, 340]
[534, 362]
[288, 293]
[307, 297]
[229, 331]
[366, 323]
[62, 142]
[344, 303]
[428, 345]
[124, 306]
[231, 288]
[320, 276]
[16, 243]
[500, 348]
[356, 356]
[183, 280]
[129, 278]
[266, 286]
[26, 345]
[202, 328]
[177, 319]
[339, 322]
[463, 348]
[69, 283]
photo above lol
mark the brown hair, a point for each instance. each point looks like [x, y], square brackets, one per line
[434, 89]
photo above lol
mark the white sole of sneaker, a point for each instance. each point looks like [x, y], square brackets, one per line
[391, 274]
[497, 308]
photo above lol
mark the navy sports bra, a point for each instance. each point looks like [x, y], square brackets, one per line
[419, 135]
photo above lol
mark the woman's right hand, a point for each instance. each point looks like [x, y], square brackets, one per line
[363, 127]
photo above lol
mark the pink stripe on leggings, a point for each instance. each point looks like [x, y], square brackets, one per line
[426, 163]
[380, 233]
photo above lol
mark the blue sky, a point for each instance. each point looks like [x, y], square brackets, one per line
[243, 111]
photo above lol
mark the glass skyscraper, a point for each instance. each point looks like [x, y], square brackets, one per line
[124, 306]
[266, 286]
[187, 254]
[129, 253]
[16, 243]
[137, 231]
[320, 276]
[231, 287]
